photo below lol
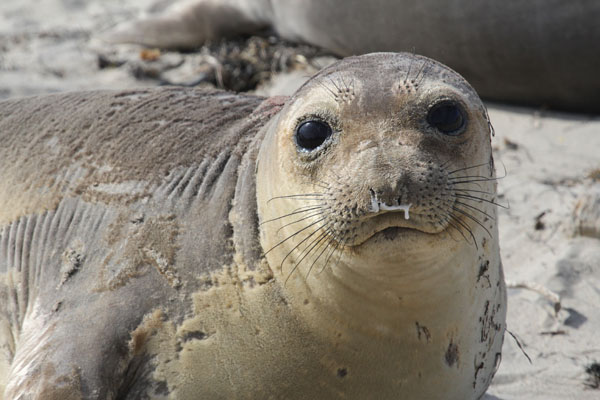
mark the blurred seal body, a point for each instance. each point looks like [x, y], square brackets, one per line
[530, 52]
[187, 244]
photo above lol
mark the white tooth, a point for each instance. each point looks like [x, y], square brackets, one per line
[403, 207]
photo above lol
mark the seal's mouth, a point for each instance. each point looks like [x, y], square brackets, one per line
[395, 224]
[393, 233]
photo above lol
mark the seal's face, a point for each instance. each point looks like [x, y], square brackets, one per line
[379, 154]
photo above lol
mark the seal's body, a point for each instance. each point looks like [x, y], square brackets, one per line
[174, 243]
[531, 52]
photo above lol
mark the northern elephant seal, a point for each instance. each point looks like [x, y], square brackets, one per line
[530, 52]
[175, 243]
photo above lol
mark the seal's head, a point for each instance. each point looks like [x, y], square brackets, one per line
[376, 196]
[378, 155]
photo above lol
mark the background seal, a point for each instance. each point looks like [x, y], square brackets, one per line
[535, 52]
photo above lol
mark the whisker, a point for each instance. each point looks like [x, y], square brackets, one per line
[466, 214]
[474, 208]
[423, 69]
[473, 190]
[468, 196]
[408, 72]
[334, 84]
[310, 247]
[296, 211]
[450, 232]
[344, 83]
[503, 167]
[466, 168]
[294, 234]
[473, 180]
[296, 195]
[418, 72]
[295, 247]
[339, 255]
[456, 178]
[339, 247]
[443, 166]
[298, 220]
[328, 242]
[337, 244]
[452, 225]
[457, 229]
[327, 88]
[478, 176]
[306, 198]
[487, 177]
[467, 227]
[292, 196]
[321, 183]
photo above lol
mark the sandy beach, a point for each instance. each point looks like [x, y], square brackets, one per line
[549, 162]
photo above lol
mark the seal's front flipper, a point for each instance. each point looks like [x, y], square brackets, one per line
[190, 25]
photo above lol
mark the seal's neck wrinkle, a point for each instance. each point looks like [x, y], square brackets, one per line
[243, 215]
[376, 298]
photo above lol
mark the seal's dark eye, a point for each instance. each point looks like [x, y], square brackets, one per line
[312, 134]
[448, 117]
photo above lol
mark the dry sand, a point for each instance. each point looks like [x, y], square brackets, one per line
[550, 234]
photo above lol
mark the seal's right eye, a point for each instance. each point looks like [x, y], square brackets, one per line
[312, 134]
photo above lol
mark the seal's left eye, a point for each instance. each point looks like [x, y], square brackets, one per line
[312, 134]
[448, 117]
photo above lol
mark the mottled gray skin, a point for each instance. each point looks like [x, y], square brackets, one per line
[538, 52]
[108, 199]
[133, 265]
